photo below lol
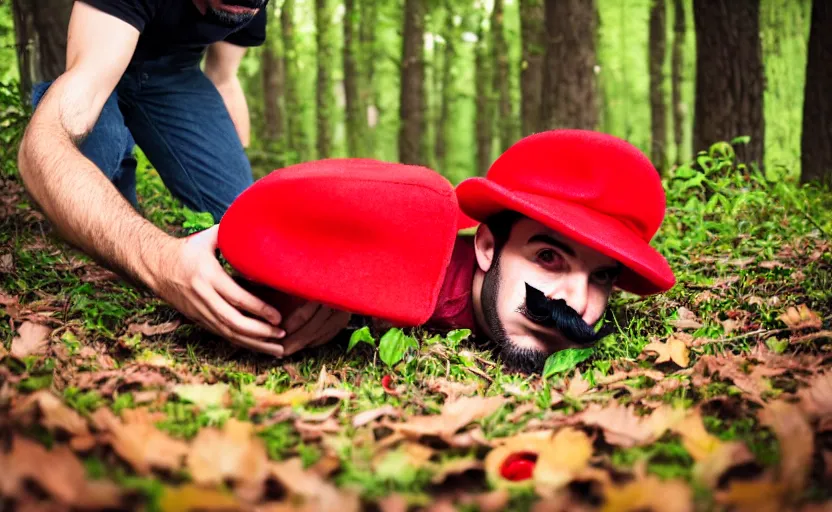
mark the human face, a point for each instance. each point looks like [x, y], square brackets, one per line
[555, 265]
[230, 12]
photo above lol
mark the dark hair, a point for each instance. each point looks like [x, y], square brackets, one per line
[500, 225]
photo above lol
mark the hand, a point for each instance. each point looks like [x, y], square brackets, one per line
[191, 279]
[312, 325]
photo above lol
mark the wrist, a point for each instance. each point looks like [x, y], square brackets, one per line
[154, 260]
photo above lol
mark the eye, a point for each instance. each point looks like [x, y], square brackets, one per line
[550, 259]
[606, 277]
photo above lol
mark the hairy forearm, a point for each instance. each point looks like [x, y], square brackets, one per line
[84, 206]
[235, 101]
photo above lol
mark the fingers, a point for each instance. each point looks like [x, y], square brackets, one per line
[306, 335]
[337, 323]
[301, 317]
[239, 297]
[235, 321]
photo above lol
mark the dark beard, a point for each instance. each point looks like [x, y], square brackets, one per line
[522, 359]
[230, 19]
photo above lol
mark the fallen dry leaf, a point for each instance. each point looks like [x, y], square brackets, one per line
[152, 330]
[142, 445]
[194, 497]
[494, 501]
[6, 263]
[454, 416]
[800, 317]
[816, 400]
[452, 389]
[762, 495]
[203, 395]
[231, 454]
[455, 467]
[648, 493]
[58, 472]
[686, 319]
[673, 350]
[365, 417]
[623, 427]
[730, 367]
[264, 398]
[308, 488]
[31, 339]
[54, 414]
[796, 441]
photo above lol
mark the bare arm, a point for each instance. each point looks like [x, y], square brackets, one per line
[90, 213]
[221, 64]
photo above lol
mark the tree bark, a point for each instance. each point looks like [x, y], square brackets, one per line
[369, 99]
[296, 135]
[729, 76]
[658, 126]
[273, 92]
[531, 70]
[323, 90]
[816, 144]
[412, 100]
[356, 122]
[570, 98]
[501, 77]
[677, 64]
[485, 112]
[40, 33]
[447, 94]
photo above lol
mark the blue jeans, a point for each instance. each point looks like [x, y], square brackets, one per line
[177, 117]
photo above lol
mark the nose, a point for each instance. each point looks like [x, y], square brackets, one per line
[574, 290]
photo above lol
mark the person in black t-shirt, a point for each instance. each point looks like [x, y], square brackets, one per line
[133, 76]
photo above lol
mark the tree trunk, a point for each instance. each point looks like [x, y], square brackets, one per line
[356, 122]
[569, 83]
[677, 65]
[447, 93]
[729, 76]
[323, 91]
[816, 146]
[531, 70]
[40, 33]
[273, 91]
[658, 126]
[296, 135]
[369, 100]
[501, 77]
[412, 101]
[485, 113]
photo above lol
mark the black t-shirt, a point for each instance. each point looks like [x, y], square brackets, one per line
[170, 27]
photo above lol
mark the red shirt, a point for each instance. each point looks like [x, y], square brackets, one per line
[455, 306]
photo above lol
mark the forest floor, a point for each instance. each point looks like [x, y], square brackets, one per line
[715, 395]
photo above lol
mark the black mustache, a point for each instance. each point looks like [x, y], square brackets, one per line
[250, 4]
[556, 313]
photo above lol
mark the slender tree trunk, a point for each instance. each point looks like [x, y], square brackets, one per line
[677, 65]
[273, 91]
[570, 98]
[412, 102]
[369, 100]
[816, 150]
[531, 70]
[296, 135]
[40, 33]
[323, 91]
[658, 125]
[485, 113]
[356, 122]
[501, 77]
[447, 94]
[729, 75]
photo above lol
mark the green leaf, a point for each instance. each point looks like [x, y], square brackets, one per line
[392, 346]
[458, 335]
[742, 139]
[360, 335]
[565, 360]
[777, 346]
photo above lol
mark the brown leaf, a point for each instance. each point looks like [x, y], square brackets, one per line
[308, 487]
[152, 330]
[622, 427]
[455, 467]
[796, 442]
[770, 264]
[313, 431]
[32, 339]
[686, 319]
[762, 495]
[673, 350]
[194, 497]
[6, 263]
[264, 398]
[816, 400]
[730, 367]
[494, 501]
[393, 503]
[365, 417]
[520, 411]
[55, 415]
[454, 416]
[648, 493]
[800, 317]
[142, 445]
[203, 395]
[811, 337]
[452, 389]
[231, 454]
[58, 472]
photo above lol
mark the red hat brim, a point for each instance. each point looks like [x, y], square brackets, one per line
[646, 271]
